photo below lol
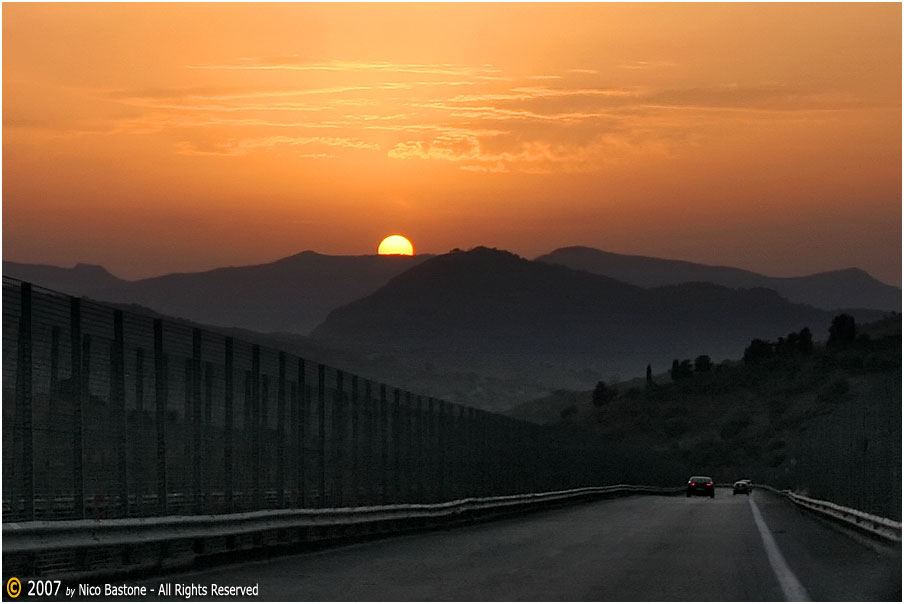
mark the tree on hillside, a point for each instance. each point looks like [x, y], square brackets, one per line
[796, 343]
[842, 332]
[682, 369]
[602, 394]
[649, 376]
[758, 351]
[703, 363]
[805, 341]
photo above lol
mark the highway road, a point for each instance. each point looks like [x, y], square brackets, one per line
[733, 548]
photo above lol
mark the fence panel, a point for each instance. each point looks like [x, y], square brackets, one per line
[109, 413]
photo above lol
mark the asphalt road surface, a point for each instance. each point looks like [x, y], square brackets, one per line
[635, 548]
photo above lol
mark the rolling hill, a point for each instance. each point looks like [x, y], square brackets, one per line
[841, 289]
[506, 316]
[289, 295]
[295, 294]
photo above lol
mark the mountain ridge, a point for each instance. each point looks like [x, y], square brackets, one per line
[506, 314]
[830, 290]
[277, 297]
[267, 297]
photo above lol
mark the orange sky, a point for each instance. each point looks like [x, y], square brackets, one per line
[154, 138]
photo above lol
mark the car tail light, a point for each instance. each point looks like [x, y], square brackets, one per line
[693, 484]
[709, 484]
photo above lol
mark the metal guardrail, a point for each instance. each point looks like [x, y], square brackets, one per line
[141, 544]
[883, 527]
[870, 523]
[84, 548]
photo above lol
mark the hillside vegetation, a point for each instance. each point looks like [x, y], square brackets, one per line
[825, 421]
[544, 325]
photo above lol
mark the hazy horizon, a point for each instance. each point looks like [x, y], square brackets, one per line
[160, 138]
[74, 264]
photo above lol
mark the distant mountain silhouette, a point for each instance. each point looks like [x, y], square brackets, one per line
[849, 288]
[483, 327]
[488, 307]
[295, 294]
[289, 295]
[81, 280]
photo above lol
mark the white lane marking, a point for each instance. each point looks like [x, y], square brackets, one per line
[791, 587]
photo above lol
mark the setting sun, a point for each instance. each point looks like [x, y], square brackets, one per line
[396, 245]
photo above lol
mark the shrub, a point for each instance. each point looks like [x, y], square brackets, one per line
[673, 412]
[676, 427]
[603, 394]
[775, 445]
[834, 391]
[757, 352]
[682, 369]
[842, 332]
[733, 427]
[777, 406]
[777, 460]
[703, 363]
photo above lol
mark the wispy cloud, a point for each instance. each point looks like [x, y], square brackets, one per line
[474, 117]
[470, 152]
[248, 145]
[509, 154]
[647, 65]
[298, 63]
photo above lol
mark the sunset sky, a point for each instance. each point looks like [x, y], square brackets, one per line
[157, 138]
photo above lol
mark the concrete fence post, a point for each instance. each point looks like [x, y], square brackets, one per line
[187, 458]
[456, 448]
[292, 456]
[432, 453]
[441, 444]
[53, 395]
[228, 395]
[118, 409]
[83, 397]
[483, 454]
[207, 440]
[421, 460]
[300, 432]
[139, 380]
[355, 444]
[321, 434]
[281, 433]
[371, 428]
[337, 412]
[24, 420]
[263, 436]
[161, 387]
[139, 438]
[384, 445]
[409, 449]
[396, 445]
[255, 435]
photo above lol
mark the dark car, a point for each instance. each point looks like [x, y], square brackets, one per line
[701, 485]
[742, 486]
